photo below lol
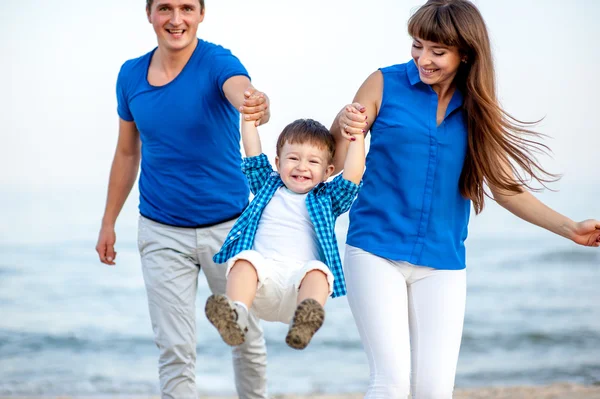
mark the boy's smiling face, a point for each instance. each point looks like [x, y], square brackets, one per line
[303, 166]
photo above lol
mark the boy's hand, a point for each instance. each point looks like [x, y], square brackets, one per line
[352, 121]
[355, 136]
[256, 107]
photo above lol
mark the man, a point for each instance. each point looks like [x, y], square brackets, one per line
[181, 102]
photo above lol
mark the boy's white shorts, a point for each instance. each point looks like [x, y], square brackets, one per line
[278, 283]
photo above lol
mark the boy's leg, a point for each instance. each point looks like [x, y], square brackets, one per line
[250, 358]
[242, 282]
[226, 312]
[314, 285]
[309, 316]
[171, 279]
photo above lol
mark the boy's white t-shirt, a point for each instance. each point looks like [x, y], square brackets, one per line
[285, 229]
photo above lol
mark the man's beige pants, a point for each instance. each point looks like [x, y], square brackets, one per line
[171, 260]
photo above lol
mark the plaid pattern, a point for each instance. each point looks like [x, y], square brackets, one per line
[325, 203]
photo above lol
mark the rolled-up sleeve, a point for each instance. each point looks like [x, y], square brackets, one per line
[257, 169]
[342, 193]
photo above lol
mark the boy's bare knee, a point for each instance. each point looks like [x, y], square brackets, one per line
[243, 267]
[316, 274]
[241, 264]
[314, 285]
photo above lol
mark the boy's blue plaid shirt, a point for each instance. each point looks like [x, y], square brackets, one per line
[325, 203]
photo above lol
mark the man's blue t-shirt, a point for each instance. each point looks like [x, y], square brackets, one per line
[191, 160]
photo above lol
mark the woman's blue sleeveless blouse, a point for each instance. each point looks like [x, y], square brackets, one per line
[410, 207]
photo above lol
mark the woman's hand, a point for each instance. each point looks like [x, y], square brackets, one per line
[587, 233]
[353, 121]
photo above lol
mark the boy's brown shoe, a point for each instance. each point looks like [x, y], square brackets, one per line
[307, 320]
[222, 313]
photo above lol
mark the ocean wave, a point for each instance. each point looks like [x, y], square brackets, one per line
[17, 344]
[575, 256]
[574, 340]
[65, 386]
[588, 374]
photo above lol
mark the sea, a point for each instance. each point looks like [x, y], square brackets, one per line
[70, 325]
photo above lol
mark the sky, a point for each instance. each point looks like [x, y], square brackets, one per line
[58, 120]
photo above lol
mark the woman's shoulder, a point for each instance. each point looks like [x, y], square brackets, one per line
[396, 68]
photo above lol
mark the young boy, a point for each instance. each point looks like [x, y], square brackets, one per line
[282, 256]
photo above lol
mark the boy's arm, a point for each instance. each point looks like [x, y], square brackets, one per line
[344, 188]
[354, 164]
[250, 138]
[256, 165]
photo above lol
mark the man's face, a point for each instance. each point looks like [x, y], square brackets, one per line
[175, 22]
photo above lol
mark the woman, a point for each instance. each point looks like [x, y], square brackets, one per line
[438, 136]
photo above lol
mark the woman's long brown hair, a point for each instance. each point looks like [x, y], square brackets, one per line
[502, 149]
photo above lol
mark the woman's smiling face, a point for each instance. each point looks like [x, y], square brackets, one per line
[437, 63]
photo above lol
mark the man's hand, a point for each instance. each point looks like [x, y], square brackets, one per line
[106, 245]
[256, 107]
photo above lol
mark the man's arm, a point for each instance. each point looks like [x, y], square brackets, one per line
[246, 99]
[123, 173]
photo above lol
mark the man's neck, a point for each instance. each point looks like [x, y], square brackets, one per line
[172, 62]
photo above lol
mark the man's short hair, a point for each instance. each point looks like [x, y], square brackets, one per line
[149, 4]
[309, 131]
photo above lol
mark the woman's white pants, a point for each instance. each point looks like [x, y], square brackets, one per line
[410, 320]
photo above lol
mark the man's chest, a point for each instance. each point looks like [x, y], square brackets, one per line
[166, 111]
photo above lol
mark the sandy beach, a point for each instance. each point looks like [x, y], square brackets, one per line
[554, 391]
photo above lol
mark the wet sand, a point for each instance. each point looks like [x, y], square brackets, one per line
[554, 391]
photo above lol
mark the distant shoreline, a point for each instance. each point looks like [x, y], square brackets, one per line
[553, 391]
